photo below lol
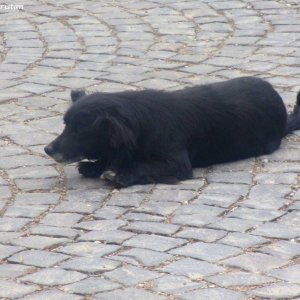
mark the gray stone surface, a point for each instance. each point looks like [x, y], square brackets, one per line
[53, 276]
[37, 258]
[231, 232]
[192, 268]
[10, 289]
[206, 251]
[130, 276]
[91, 286]
[90, 264]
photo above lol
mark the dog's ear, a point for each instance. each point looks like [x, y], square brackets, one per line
[77, 94]
[118, 132]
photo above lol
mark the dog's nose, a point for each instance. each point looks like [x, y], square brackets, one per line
[49, 149]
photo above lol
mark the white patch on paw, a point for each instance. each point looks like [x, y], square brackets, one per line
[109, 175]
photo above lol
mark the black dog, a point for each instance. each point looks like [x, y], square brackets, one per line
[157, 136]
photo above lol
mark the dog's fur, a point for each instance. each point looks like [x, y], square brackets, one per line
[157, 136]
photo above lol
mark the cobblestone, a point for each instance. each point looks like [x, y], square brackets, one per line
[232, 232]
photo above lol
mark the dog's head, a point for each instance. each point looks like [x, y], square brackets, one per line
[94, 128]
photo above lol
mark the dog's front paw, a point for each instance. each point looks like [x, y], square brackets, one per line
[109, 175]
[89, 169]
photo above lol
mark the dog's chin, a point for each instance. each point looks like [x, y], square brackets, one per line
[66, 161]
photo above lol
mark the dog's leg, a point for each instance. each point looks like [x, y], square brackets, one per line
[169, 170]
[91, 169]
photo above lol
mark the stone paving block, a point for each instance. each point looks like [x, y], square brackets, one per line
[234, 224]
[269, 191]
[255, 214]
[206, 251]
[4, 192]
[52, 294]
[91, 286]
[37, 258]
[127, 200]
[239, 278]
[11, 271]
[243, 240]
[264, 203]
[152, 227]
[161, 208]
[39, 242]
[53, 276]
[283, 249]
[54, 231]
[174, 284]
[101, 225]
[10, 289]
[171, 195]
[291, 219]
[129, 275]
[33, 172]
[6, 251]
[255, 262]
[91, 265]
[277, 230]
[87, 195]
[226, 189]
[143, 217]
[109, 212]
[199, 209]
[12, 224]
[277, 290]
[109, 236]
[213, 294]
[37, 199]
[192, 268]
[76, 207]
[217, 199]
[61, 219]
[130, 294]
[32, 185]
[88, 249]
[8, 237]
[22, 160]
[289, 274]
[202, 234]
[146, 257]
[197, 220]
[230, 177]
[154, 242]
[25, 211]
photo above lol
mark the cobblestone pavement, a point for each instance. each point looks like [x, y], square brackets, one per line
[230, 233]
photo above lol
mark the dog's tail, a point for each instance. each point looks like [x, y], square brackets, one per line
[293, 121]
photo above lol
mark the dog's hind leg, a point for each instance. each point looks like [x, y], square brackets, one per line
[91, 169]
[169, 170]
